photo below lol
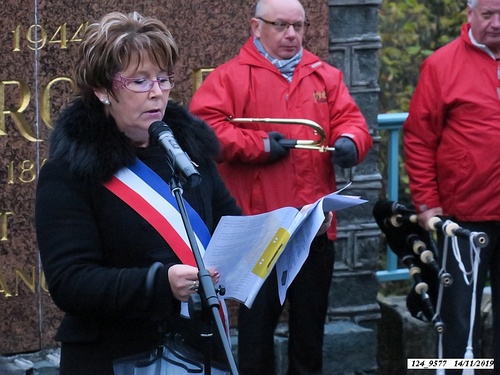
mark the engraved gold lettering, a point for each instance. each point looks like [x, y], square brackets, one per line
[4, 288]
[24, 172]
[45, 100]
[28, 173]
[77, 37]
[37, 38]
[15, 113]
[16, 39]
[198, 77]
[20, 275]
[10, 173]
[43, 283]
[36, 31]
[4, 226]
[63, 39]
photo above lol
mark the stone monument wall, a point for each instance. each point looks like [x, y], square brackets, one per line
[38, 44]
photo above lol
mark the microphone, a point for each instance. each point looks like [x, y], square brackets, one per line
[161, 134]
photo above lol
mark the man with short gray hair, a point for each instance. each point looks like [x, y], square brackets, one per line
[274, 77]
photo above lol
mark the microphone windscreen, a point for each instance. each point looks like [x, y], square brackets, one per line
[156, 128]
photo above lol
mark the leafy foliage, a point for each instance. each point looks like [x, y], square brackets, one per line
[410, 31]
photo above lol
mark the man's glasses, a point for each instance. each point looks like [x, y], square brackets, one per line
[281, 26]
[144, 84]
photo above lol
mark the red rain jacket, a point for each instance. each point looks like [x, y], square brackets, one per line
[452, 133]
[249, 86]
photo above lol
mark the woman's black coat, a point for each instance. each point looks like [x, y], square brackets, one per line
[96, 251]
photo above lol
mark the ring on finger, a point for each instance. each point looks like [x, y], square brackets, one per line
[194, 286]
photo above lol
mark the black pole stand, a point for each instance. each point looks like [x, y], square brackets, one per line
[206, 287]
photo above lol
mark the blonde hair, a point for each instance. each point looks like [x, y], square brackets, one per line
[109, 45]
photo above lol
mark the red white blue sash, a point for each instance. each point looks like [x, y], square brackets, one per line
[150, 196]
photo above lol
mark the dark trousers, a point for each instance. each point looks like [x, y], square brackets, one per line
[456, 305]
[308, 303]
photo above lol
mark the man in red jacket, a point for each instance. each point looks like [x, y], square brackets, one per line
[452, 151]
[274, 77]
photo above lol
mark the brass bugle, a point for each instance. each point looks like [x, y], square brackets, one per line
[308, 144]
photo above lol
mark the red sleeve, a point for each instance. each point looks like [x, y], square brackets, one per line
[422, 132]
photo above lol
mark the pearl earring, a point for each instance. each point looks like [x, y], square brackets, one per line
[105, 101]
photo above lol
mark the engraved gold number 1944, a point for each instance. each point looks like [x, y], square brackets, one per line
[37, 37]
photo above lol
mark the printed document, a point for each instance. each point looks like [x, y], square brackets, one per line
[244, 249]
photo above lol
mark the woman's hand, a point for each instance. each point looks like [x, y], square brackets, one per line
[184, 281]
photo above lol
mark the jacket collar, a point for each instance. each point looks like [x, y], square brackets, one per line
[251, 56]
[92, 146]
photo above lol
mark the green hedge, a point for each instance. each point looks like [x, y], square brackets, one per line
[410, 30]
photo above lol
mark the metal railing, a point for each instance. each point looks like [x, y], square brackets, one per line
[392, 123]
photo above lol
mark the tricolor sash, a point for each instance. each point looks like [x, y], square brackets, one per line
[150, 196]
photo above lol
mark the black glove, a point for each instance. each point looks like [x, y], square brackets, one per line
[345, 154]
[276, 151]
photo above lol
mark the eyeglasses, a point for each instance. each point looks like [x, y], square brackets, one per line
[281, 26]
[145, 84]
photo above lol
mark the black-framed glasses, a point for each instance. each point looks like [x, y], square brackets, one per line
[144, 84]
[281, 25]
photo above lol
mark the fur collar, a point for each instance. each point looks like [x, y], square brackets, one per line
[91, 144]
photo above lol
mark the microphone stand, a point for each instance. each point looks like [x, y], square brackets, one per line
[206, 287]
